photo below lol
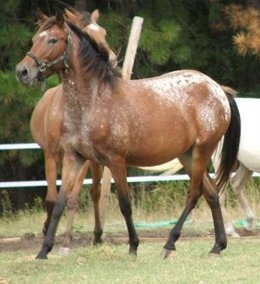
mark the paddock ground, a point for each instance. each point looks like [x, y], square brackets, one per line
[30, 241]
[20, 240]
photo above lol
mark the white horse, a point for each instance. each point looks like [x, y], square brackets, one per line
[248, 157]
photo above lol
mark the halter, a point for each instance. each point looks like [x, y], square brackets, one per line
[44, 66]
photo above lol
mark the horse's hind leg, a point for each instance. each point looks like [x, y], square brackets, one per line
[104, 194]
[194, 169]
[51, 165]
[73, 202]
[71, 166]
[211, 195]
[237, 182]
[229, 228]
[95, 195]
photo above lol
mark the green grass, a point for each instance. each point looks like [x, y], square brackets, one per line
[111, 264]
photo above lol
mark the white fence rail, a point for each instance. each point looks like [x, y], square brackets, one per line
[41, 183]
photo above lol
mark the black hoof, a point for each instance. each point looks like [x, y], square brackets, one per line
[167, 253]
[41, 256]
[97, 242]
[133, 251]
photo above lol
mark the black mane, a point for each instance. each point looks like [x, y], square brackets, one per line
[95, 58]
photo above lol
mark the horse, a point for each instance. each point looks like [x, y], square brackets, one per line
[116, 122]
[45, 126]
[248, 161]
[248, 158]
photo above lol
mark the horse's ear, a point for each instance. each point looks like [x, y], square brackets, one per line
[41, 16]
[72, 17]
[94, 16]
[59, 17]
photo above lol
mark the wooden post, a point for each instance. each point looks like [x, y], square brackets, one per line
[126, 72]
[132, 47]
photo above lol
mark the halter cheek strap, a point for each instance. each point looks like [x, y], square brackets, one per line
[64, 57]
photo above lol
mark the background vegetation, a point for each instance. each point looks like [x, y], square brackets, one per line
[217, 37]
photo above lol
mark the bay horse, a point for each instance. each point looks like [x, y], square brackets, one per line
[45, 126]
[116, 122]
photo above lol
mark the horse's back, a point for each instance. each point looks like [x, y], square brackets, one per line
[172, 113]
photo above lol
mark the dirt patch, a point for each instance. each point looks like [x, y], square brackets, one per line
[30, 242]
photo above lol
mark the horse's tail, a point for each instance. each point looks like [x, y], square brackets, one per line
[230, 144]
[229, 90]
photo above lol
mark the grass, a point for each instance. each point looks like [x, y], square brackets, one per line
[111, 264]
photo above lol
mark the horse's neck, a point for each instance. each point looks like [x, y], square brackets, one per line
[77, 90]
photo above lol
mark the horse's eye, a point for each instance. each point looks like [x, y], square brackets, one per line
[52, 40]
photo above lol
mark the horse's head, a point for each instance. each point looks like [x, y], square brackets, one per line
[52, 42]
[88, 23]
[50, 50]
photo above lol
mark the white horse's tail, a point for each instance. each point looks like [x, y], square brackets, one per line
[168, 168]
[229, 90]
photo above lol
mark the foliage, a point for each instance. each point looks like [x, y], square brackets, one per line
[5, 204]
[247, 22]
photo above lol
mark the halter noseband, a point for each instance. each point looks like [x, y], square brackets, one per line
[44, 66]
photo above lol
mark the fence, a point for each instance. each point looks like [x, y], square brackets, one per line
[28, 184]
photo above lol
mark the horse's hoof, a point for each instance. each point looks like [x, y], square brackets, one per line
[133, 252]
[212, 254]
[98, 242]
[41, 256]
[232, 233]
[235, 235]
[64, 251]
[168, 253]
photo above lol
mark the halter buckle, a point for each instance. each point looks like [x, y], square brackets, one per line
[43, 67]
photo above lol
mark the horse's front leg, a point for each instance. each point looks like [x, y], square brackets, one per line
[73, 202]
[119, 174]
[96, 171]
[71, 166]
[51, 165]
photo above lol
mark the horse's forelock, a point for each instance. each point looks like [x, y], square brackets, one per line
[43, 26]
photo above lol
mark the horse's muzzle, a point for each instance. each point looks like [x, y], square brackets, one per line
[26, 76]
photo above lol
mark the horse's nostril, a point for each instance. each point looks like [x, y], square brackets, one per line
[24, 72]
[21, 73]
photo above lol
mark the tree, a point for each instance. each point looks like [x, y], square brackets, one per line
[246, 21]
